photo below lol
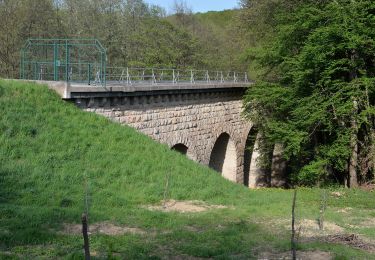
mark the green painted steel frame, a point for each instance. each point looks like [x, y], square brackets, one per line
[29, 68]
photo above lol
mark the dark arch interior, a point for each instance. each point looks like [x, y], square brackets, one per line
[218, 153]
[181, 148]
[250, 141]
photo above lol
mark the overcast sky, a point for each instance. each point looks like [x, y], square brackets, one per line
[199, 5]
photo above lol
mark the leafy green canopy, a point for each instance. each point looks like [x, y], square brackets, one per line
[317, 94]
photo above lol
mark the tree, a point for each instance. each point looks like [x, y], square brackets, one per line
[182, 12]
[317, 93]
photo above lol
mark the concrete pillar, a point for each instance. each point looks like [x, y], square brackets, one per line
[278, 169]
[257, 173]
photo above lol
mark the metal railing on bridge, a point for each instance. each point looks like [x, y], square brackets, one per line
[83, 61]
[88, 74]
[155, 76]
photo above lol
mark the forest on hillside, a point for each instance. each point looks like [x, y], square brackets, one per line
[134, 33]
[315, 89]
[313, 62]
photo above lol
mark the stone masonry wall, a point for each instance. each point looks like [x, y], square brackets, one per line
[193, 119]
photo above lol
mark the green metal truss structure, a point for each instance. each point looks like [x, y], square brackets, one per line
[70, 60]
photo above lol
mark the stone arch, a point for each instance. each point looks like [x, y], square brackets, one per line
[181, 148]
[223, 157]
[182, 144]
[248, 154]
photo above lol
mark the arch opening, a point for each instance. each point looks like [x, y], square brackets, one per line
[223, 157]
[249, 148]
[181, 148]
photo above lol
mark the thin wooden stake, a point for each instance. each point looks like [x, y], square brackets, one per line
[294, 242]
[323, 207]
[166, 191]
[85, 237]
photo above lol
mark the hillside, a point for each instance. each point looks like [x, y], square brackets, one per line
[55, 159]
[221, 42]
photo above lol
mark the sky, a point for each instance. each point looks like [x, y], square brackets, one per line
[198, 5]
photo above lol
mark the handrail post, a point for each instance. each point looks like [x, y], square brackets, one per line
[153, 77]
[127, 76]
[174, 77]
[191, 77]
[22, 73]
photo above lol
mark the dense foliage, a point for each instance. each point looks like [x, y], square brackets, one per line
[316, 92]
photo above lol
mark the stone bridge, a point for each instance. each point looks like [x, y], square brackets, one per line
[204, 122]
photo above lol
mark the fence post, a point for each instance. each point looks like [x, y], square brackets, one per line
[67, 61]
[22, 67]
[55, 57]
[153, 77]
[89, 73]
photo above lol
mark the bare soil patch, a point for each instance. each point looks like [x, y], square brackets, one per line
[192, 206]
[303, 255]
[185, 257]
[345, 210]
[105, 228]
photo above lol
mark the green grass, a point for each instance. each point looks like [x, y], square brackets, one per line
[50, 151]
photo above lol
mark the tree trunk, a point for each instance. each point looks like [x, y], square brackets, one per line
[353, 162]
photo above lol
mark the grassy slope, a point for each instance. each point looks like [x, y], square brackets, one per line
[49, 149]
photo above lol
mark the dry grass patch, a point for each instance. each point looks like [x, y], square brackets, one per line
[308, 228]
[190, 206]
[368, 223]
[104, 228]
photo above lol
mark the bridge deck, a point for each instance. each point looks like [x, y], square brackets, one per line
[67, 91]
[115, 86]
